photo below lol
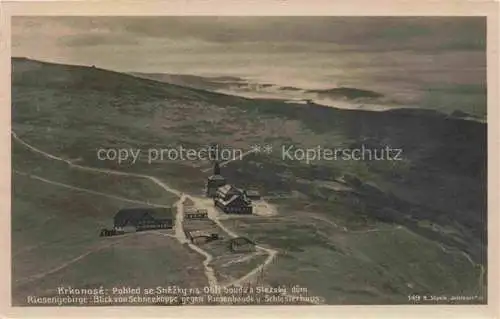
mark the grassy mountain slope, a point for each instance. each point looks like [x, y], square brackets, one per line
[438, 191]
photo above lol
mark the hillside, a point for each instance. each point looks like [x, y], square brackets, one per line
[350, 93]
[437, 192]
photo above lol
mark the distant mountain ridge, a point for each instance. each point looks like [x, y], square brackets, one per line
[350, 93]
[231, 82]
[357, 98]
[27, 71]
[31, 73]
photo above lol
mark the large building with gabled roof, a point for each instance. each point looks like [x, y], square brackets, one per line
[232, 200]
[144, 218]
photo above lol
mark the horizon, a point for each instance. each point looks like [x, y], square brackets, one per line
[420, 62]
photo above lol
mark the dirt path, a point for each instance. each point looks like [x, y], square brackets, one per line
[213, 215]
[452, 251]
[180, 235]
[64, 265]
[179, 218]
[179, 231]
[85, 190]
[209, 272]
[95, 169]
[113, 241]
[240, 259]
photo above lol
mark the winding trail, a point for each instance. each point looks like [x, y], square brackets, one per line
[240, 259]
[209, 272]
[452, 251]
[180, 235]
[179, 231]
[64, 265]
[100, 170]
[113, 241]
[212, 214]
[85, 190]
[179, 218]
[445, 249]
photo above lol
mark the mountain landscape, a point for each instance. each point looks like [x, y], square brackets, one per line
[352, 232]
[234, 83]
[337, 97]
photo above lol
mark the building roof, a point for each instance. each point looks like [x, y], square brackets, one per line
[252, 192]
[228, 189]
[216, 178]
[241, 241]
[232, 199]
[131, 216]
[188, 202]
[202, 211]
[199, 233]
[162, 213]
[196, 212]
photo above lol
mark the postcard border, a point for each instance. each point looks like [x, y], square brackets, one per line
[277, 8]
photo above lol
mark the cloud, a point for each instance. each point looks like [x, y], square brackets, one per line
[407, 58]
[367, 32]
[288, 48]
[95, 39]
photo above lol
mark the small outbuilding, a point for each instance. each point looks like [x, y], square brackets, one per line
[196, 214]
[252, 194]
[201, 237]
[241, 245]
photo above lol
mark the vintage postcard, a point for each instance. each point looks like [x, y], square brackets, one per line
[259, 160]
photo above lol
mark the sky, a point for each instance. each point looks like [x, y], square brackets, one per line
[427, 61]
